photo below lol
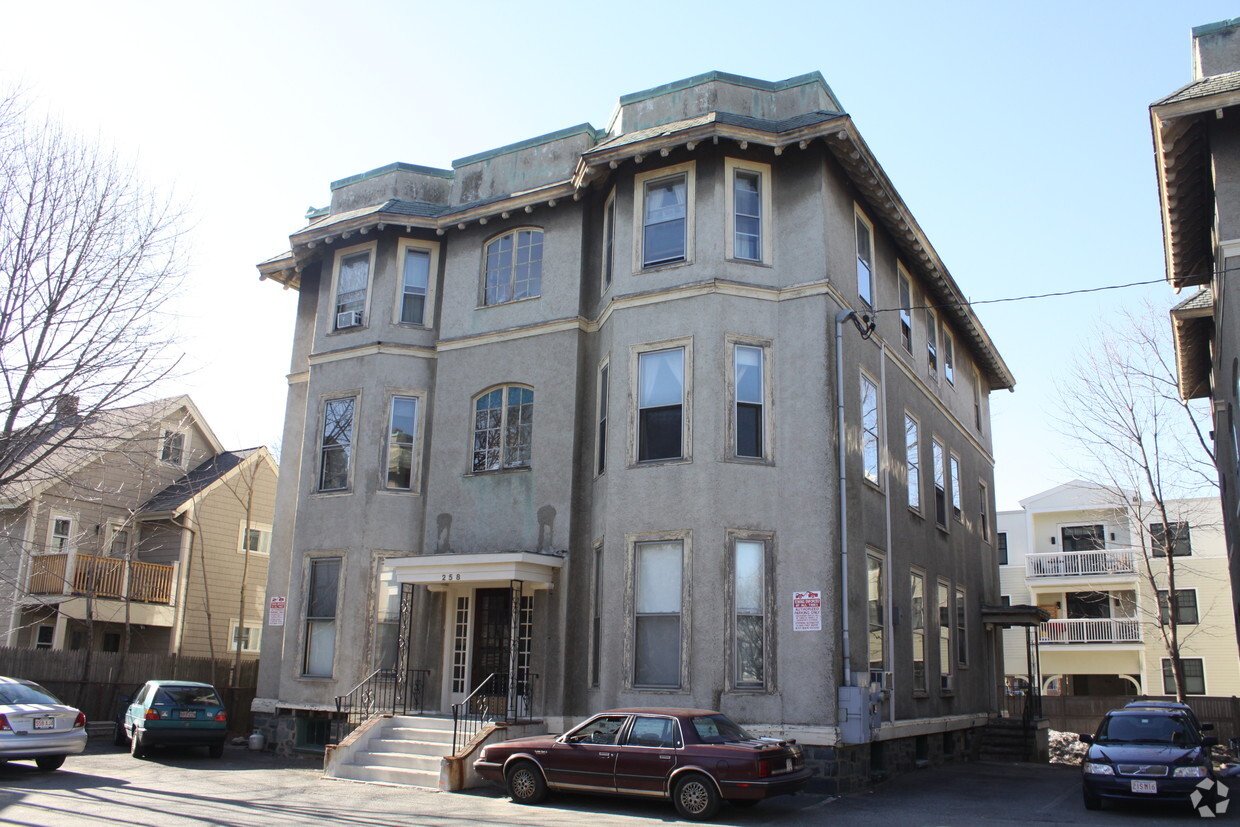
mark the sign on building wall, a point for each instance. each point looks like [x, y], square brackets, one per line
[275, 611]
[807, 611]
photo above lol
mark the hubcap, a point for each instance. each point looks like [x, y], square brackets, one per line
[693, 796]
[523, 783]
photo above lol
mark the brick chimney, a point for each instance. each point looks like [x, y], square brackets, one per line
[66, 407]
[1216, 48]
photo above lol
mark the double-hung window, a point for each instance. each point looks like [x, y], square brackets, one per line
[749, 590]
[749, 379]
[402, 431]
[596, 619]
[1185, 607]
[514, 267]
[661, 404]
[336, 445]
[602, 417]
[503, 428]
[352, 285]
[983, 511]
[865, 259]
[917, 622]
[321, 594]
[416, 263]
[932, 345]
[657, 607]
[869, 429]
[876, 615]
[1194, 676]
[172, 449]
[957, 510]
[962, 627]
[748, 231]
[663, 220]
[1001, 543]
[949, 356]
[940, 483]
[609, 240]
[906, 310]
[256, 539]
[1173, 534]
[977, 399]
[62, 534]
[945, 635]
[912, 460]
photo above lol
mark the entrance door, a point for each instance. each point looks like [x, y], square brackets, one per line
[492, 639]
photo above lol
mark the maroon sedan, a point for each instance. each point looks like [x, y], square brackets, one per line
[695, 757]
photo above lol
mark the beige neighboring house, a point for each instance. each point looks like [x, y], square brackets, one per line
[1088, 560]
[144, 521]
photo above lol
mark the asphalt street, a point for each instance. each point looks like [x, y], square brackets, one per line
[106, 786]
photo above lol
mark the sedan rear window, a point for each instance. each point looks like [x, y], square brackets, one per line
[25, 693]
[718, 729]
[187, 696]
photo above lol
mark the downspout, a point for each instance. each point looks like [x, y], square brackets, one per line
[888, 591]
[840, 318]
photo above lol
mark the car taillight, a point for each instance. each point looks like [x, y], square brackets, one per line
[151, 715]
[4, 724]
[221, 716]
[81, 720]
[764, 769]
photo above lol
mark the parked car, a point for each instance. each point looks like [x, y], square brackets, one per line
[1144, 753]
[35, 725]
[1185, 708]
[175, 713]
[695, 757]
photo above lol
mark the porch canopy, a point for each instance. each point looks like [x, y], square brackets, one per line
[536, 569]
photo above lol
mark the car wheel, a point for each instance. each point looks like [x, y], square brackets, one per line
[118, 738]
[1092, 801]
[216, 750]
[526, 784]
[695, 797]
[49, 763]
[136, 748]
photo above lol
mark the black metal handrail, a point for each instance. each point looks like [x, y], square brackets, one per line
[382, 692]
[494, 699]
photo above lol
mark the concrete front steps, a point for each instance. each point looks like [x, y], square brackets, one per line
[406, 750]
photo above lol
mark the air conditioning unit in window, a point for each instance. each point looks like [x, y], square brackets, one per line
[881, 680]
[351, 318]
[947, 684]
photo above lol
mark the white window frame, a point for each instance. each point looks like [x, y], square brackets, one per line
[686, 403]
[633, 541]
[168, 434]
[765, 348]
[905, 288]
[67, 543]
[918, 576]
[308, 620]
[912, 462]
[255, 629]
[960, 617]
[602, 405]
[506, 463]
[415, 470]
[955, 497]
[983, 515]
[945, 626]
[264, 538]
[875, 561]
[765, 541]
[428, 307]
[933, 354]
[369, 249]
[949, 356]
[938, 464]
[1165, 665]
[116, 527]
[515, 232]
[871, 434]
[39, 642]
[865, 292]
[350, 447]
[766, 218]
[607, 266]
[689, 170]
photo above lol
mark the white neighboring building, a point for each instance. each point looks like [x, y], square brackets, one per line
[1074, 553]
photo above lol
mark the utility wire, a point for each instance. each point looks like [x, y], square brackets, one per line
[1021, 298]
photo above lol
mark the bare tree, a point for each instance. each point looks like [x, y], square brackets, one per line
[1144, 445]
[88, 256]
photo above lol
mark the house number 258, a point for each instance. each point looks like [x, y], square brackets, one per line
[449, 577]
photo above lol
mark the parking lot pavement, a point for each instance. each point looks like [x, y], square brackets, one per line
[106, 786]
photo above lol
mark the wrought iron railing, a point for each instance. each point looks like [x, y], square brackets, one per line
[382, 692]
[494, 700]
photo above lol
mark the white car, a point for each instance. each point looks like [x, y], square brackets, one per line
[35, 725]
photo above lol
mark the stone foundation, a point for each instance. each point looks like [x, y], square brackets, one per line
[851, 768]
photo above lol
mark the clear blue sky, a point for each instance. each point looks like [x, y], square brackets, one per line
[1018, 133]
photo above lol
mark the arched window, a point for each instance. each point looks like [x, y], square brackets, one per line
[503, 427]
[514, 266]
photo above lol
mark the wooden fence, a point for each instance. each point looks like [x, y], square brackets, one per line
[97, 689]
[1082, 713]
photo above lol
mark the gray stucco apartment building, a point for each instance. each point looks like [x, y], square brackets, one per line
[595, 405]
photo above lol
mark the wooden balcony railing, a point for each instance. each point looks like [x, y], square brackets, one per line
[105, 577]
[1119, 561]
[1092, 630]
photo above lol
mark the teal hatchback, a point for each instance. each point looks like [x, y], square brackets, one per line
[175, 713]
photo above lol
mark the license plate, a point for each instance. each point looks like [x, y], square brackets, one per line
[1145, 786]
[44, 723]
[186, 713]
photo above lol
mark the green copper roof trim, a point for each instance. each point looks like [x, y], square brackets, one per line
[394, 167]
[737, 80]
[559, 135]
[317, 212]
[1210, 28]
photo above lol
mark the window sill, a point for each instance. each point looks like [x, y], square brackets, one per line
[750, 262]
[327, 494]
[316, 678]
[920, 693]
[344, 331]
[399, 492]
[739, 460]
[524, 469]
[941, 528]
[664, 265]
[656, 463]
[509, 302]
[659, 690]
[412, 326]
[872, 484]
[916, 512]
